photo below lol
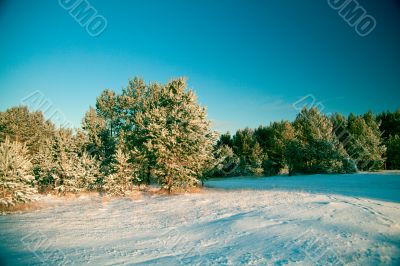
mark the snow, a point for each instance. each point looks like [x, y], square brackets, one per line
[302, 220]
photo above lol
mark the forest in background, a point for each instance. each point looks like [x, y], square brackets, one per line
[158, 133]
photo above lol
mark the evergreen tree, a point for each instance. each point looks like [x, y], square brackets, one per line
[340, 128]
[319, 149]
[390, 129]
[94, 125]
[86, 171]
[31, 128]
[273, 139]
[136, 99]
[101, 141]
[294, 152]
[225, 162]
[44, 166]
[251, 156]
[65, 162]
[113, 185]
[393, 152]
[126, 170]
[173, 132]
[389, 124]
[107, 108]
[16, 179]
[225, 139]
[364, 145]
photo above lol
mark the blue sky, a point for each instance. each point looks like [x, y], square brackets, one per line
[248, 61]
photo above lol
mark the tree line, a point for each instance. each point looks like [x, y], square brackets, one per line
[313, 143]
[158, 133]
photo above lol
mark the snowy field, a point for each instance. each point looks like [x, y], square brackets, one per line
[303, 220]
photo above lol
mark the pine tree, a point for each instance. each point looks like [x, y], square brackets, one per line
[31, 128]
[273, 140]
[389, 124]
[136, 99]
[66, 161]
[44, 167]
[364, 145]
[174, 134]
[339, 123]
[16, 179]
[246, 147]
[224, 163]
[101, 139]
[93, 125]
[294, 152]
[86, 171]
[225, 139]
[107, 109]
[319, 149]
[126, 170]
[393, 152]
[390, 130]
[113, 185]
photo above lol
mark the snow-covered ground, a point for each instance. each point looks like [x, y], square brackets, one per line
[303, 220]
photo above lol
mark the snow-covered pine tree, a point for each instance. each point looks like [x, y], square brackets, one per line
[133, 101]
[44, 167]
[86, 171]
[175, 134]
[113, 185]
[31, 128]
[65, 159]
[125, 174]
[16, 179]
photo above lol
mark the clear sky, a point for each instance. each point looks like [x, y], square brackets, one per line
[248, 61]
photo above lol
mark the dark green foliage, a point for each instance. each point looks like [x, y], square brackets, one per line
[99, 129]
[251, 156]
[316, 148]
[273, 140]
[393, 152]
[390, 129]
[294, 153]
[225, 139]
[390, 123]
[225, 162]
[364, 145]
